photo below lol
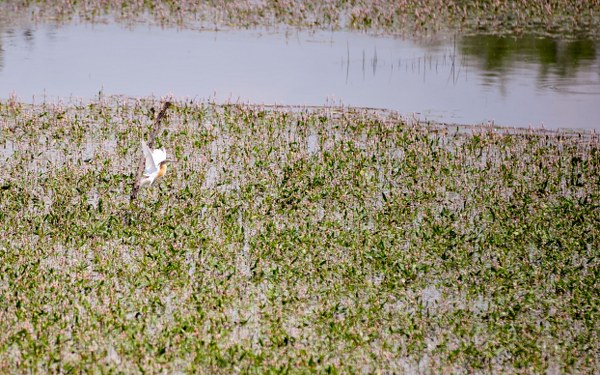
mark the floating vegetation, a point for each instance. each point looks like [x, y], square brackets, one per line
[562, 18]
[306, 239]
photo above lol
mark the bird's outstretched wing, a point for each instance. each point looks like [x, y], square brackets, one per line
[150, 164]
[159, 155]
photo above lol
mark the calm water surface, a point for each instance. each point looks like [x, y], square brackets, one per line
[527, 81]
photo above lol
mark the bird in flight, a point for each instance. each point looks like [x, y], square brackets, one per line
[156, 164]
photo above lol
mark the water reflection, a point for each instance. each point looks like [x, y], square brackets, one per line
[558, 63]
[509, 81]
[1, 48]
[498, 54]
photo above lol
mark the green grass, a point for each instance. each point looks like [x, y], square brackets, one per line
[315, 240]
[563, 18]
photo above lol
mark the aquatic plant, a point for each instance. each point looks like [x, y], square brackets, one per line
[563, 18]
[294, 239]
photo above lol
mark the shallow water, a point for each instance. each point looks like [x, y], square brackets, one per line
[470, 80]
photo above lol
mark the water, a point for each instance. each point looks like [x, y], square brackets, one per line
[469, 80]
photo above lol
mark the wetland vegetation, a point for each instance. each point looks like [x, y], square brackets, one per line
[564, 18]
[307, 239]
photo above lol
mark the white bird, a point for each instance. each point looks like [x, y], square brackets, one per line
[156, 164]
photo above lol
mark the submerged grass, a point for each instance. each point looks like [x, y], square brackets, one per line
[564, 18]
[328, 240]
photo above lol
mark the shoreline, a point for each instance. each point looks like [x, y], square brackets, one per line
[408, 118]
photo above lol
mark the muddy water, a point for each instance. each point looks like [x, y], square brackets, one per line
[527, 81]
